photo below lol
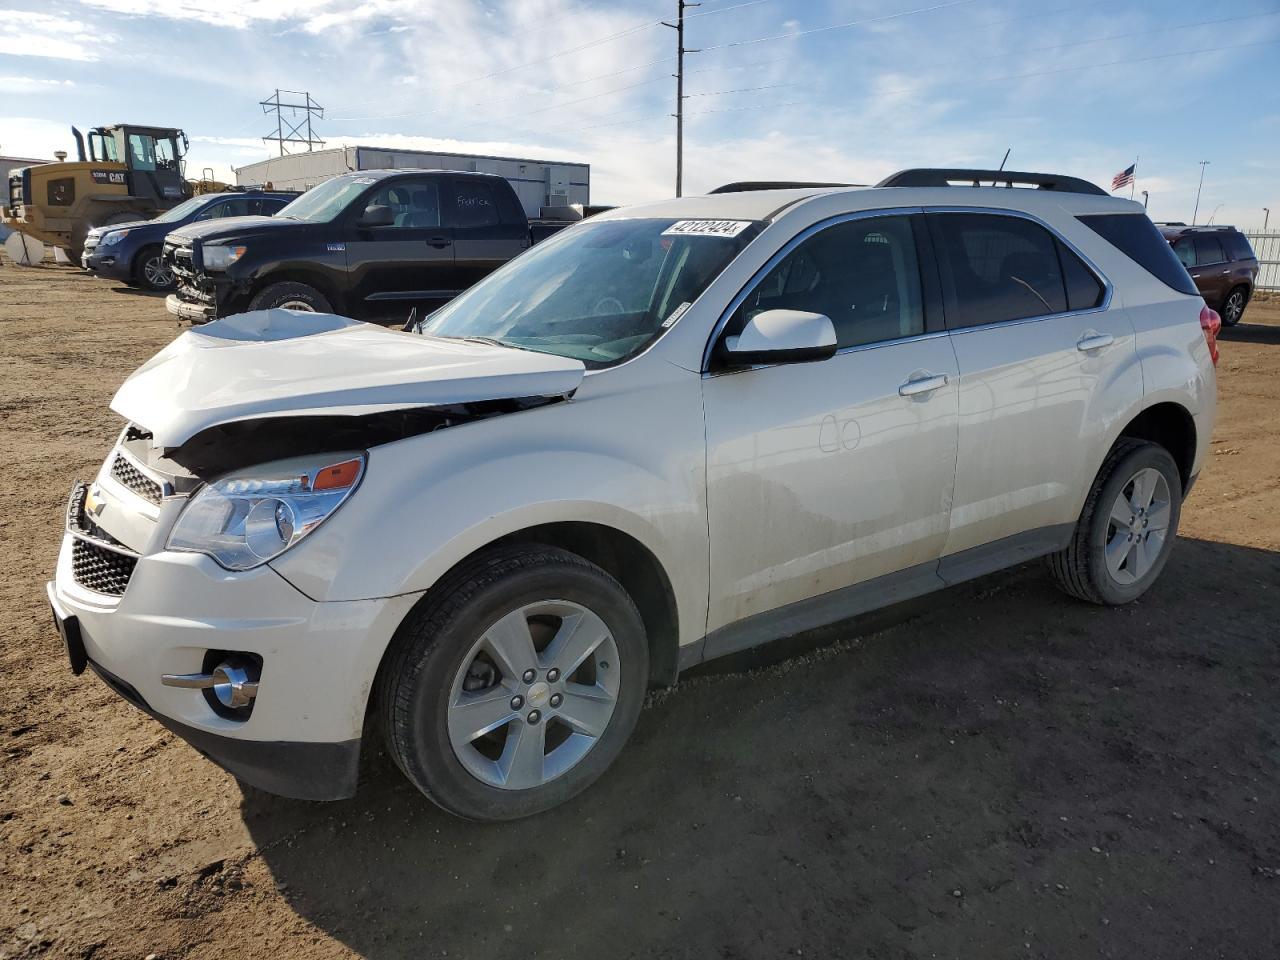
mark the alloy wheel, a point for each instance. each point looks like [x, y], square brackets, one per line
[1233, 309]
[1138, 526]
[533, 695]
[157, 273]
[296, 305]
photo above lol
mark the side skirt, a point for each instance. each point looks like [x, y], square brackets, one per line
[851, 601]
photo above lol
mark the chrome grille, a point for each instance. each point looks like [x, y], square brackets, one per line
[125, 473]
[99, 562]
[100, 569]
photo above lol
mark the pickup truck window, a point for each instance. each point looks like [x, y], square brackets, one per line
[325, 201]
[415, 203]
[477, 206]
[599, 292]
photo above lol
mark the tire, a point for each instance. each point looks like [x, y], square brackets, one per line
[1233, 305]
[1083, 569]
[151, 272]
[292, 295]
[445, 658]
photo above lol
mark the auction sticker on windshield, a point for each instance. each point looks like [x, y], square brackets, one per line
[706, 228]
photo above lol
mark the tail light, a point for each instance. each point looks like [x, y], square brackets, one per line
[1211, 323]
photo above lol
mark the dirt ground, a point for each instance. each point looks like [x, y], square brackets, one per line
[996, 771]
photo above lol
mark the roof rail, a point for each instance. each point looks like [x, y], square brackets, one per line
[745, 186]
[945, 177]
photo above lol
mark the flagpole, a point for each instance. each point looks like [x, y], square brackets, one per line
[1134, 182]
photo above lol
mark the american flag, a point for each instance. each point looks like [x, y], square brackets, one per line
[1123, 178]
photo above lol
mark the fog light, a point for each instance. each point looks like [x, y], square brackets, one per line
[233, 682]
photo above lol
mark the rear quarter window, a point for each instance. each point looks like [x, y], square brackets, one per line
[1237, 246]
[1134, 235]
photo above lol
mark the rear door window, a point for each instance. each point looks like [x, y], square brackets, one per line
[476, 204]
[1208, 250]
[997, 268]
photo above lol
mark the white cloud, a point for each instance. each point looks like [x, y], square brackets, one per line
[25, 33]
[32, 85]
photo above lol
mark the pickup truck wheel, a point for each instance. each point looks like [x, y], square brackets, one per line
[515, 686]
[151, 272]
[1126, 530]
[290, 296]
[1233, 305]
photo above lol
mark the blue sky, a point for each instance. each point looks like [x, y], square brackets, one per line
[1074, 87]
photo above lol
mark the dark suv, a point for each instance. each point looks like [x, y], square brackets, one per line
[133, 252]
[1220, 261]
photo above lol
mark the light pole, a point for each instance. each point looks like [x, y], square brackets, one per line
[1214, 214]
[1203, 164]
[1266, 215]
[1145, 197]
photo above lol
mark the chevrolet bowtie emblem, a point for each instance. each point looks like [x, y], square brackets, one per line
[92, 505]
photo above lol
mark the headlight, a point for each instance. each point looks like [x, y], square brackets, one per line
[254, 515]
[111, 239]
[219, 258]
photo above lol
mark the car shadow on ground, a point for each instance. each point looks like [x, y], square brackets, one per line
[1246, 332]
[1000, 771]
[140, 292]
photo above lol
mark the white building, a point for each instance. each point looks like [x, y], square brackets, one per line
[538, 183]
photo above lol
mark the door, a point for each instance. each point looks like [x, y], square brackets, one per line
[408, 263]
[1211, 272]
[489, 228]
[825, 475]
[1045, 362]
[155, 167]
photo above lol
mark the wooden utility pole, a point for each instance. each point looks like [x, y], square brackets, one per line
[678, 27]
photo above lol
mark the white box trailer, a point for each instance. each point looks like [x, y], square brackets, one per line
[538, 183]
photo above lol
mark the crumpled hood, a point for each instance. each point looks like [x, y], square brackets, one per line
[272, 363]
[223, 228]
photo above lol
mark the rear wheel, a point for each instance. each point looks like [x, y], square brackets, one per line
[1233, 305]
[1126, 530]
[152, 272]
[517, 686]
[290, 295]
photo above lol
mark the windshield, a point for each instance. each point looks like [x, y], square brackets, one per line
[325, 201]
[182, 209]
[599, 292]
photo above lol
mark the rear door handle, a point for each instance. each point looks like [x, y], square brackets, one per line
[1094, 341]
[922, 385]
[439, 242]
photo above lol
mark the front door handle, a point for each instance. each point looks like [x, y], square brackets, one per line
[439, 242]
[1094, 341]
[922, 385]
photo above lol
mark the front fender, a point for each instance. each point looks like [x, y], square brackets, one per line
[629, 459]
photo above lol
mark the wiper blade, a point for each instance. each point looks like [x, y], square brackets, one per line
[489, 340]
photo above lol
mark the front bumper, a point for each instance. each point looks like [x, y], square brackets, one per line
[109, 265]
[190, 310]
[302, 738]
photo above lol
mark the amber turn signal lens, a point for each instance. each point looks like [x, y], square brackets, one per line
[337, 476]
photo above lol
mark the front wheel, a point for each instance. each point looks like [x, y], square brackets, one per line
[152, 272]
[290, 295]
[1126, 530]
[517, 685]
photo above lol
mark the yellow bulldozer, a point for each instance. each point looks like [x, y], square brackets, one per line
[124, 172]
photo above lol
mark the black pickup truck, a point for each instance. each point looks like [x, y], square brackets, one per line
[371, 245]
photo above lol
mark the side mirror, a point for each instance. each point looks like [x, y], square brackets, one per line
[377, 215]
[782, 336]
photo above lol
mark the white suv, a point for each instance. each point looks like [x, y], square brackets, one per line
[671, 432]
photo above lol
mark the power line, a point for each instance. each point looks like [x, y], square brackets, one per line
[839, 26]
